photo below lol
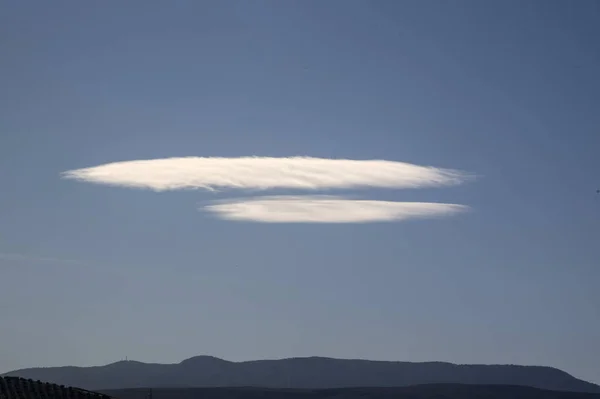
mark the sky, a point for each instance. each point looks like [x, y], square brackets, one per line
[396, 180]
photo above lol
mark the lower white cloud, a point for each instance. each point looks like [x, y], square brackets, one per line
[326, 209]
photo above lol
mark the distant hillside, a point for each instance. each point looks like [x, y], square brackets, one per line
[437, 391]
[20, 388]
[311, 372]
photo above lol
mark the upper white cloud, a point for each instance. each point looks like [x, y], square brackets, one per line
[37, 258]
[326, 209]
[264, 173]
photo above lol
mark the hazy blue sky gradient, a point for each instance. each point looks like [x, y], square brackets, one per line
[507, 89]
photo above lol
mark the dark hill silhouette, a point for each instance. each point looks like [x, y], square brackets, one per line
[436, 391]
[310, 372]
[21, 388]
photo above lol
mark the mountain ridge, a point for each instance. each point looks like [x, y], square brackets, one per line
[313, 372]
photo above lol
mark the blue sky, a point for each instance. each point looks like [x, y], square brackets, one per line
[506, 90]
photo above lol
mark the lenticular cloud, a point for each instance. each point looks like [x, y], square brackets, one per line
[301, 173]
[325, 209]
[264, 173]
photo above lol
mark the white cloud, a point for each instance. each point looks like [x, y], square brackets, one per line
[326, 209]
[264, 173]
